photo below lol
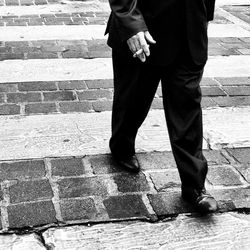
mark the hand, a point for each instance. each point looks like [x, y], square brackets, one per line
[139, 44]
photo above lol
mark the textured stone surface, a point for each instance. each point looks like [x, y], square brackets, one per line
[30, 191]
[81, 187]
[211, 232]
[158, 160]
[101, 68]
[22, 169]
[31, 214]
[67, 167]
[215, 157]
[223, 175]
[169, 203]
[127, 206]
[164, 180]
[131, 182]
[21, 242]
[88, 133]
[75, 209]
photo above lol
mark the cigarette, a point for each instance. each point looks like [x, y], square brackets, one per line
[137, 53]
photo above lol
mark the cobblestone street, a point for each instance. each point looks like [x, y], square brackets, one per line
[60, 188]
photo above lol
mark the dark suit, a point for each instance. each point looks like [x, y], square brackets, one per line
[177, 59]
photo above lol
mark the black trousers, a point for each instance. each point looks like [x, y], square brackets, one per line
[135, 84]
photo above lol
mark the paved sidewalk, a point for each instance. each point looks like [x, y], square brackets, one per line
[56, 93]
[69, 190]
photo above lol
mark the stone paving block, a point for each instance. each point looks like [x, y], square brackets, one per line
[127, 206]
[223, 175]
[244, 51]
[208, 81]
[59, 96]
[41, 55]
[208, 102]
[5, 49]
[40, 108]
[231, 199]
[8, 87]
[237, 46]
[76, 209]
[36, 86]
[82, 187]
[245, 39]
[104, 164]
[233, 81]
[1, 194]
[157, 103]
[67, 167]
[36, 22]
[19, 170]
[242, 155]
[11, 2]
[2, 99]
[51, 48]
[230, 39]
[223, 52]
[215, 157]
[68, 85]
[233, 101]
[127, 182]
[31, 214]
[40, 2]
[237, 91]
[98, 48]
[156, 160]
[11, 56]
[165, 179]
[169, 203]
[21, 242]
[212, 91]
[94, 94]
[244, 171]
[100, 84]
[69, 107]
[9, 109]
[24, 97]
[75, 54]
[102, 105]
[30, 191]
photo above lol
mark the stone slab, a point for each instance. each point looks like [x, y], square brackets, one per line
[232, 2]
[227, 127]
[227, 30]
[52, 32]
[21, 242]
[101, 68]
[65, 7]
[211, 232]
[24, 137]
[88, 32]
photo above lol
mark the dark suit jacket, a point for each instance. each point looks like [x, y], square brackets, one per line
[171, 23]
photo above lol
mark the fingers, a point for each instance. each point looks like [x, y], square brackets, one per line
[143, 43]
[149, 38]
[138, 44]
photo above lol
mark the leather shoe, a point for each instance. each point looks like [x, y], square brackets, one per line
[130, 164]
[201, 199]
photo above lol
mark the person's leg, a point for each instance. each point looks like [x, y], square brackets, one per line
[135, 84]
[181, 98]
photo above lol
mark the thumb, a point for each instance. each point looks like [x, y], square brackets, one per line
[149, 38]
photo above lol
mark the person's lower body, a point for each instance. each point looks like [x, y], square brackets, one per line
[135, 85]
